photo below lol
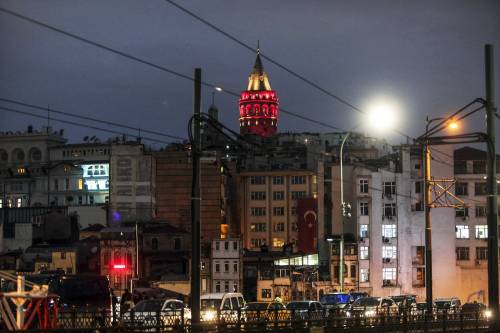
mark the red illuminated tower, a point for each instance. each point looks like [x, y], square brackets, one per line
[258, 104]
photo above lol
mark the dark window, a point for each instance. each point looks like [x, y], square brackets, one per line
[481, 253]
[390, 210]
[154, 244]
[278, 180]
[480, 188]
[479, 167]
[418, 187]
[389, 189]
[266, 293]
[461, 188]
[226, 246]
[462, 212]
[278, 211]
[278, 195]
[480, 211]
[353, 271]
[177, 244]
[363, 186]
[462, 253]
[460, 167]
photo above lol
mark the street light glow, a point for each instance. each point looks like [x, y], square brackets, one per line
[453, 124]
[382, 114]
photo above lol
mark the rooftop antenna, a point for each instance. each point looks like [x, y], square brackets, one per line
[213, 98]
[258, 46]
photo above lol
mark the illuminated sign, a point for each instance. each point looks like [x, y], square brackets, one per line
[119, 266]
[95, 177]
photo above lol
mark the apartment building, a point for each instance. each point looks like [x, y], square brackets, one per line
[133, 177]
[226, 263]
[471, 226]
[268, 206]
[387, 224]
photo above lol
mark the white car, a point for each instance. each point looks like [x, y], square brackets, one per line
[146, 313]
[217, 307]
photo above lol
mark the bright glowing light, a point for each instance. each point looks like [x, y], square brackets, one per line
[382, 114]
[218, 88]
[209, 315]
[119, 266]
[487, 313]
[453, 124]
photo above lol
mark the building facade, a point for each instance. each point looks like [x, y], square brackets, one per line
[226, 265]
[268, 206]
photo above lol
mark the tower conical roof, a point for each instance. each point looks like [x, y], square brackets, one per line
[258, 79]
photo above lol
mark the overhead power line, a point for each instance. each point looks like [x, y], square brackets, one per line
[276, 63]
[82, 125]
[245, 45]
[148, 63]
[69, 114]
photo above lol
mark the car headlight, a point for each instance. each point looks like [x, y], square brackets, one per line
[487, 313]
[209, 315]
[370, 313]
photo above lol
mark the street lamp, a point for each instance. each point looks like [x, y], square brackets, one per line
[426, 155]
[345, 213]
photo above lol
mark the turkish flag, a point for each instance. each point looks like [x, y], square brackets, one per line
[307, 211]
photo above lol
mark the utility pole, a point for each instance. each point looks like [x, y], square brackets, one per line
[195, 205]
[428, 224]
[491, 186]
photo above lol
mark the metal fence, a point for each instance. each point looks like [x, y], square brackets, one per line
[364, 320]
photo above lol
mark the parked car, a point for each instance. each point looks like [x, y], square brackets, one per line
[404, 301]
[474, 310]
[420, 309]
[371, 307]
[336, 301]
[358, 294]
[447, 305]
[306, 310]
[147, 312]
[225, 307]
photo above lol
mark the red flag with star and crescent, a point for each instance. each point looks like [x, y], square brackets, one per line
[308, 225]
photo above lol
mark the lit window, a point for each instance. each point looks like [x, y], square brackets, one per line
[481, 231]
[363, 208]
[462, 231]
[1, 203]
[21, 171]
[363, 230]
[363, 252]
[389, 230]
[389, 252]
[278, 242]
[364, 275]
[19, 202]
[389, 273]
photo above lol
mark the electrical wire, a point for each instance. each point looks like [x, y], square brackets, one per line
[107, 122]
[83, 125]
[148, 63]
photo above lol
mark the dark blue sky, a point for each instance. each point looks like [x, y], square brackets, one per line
[426, 55]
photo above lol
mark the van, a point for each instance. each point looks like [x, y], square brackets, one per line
[226, 307]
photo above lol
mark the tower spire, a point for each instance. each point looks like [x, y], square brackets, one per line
[259, 103]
